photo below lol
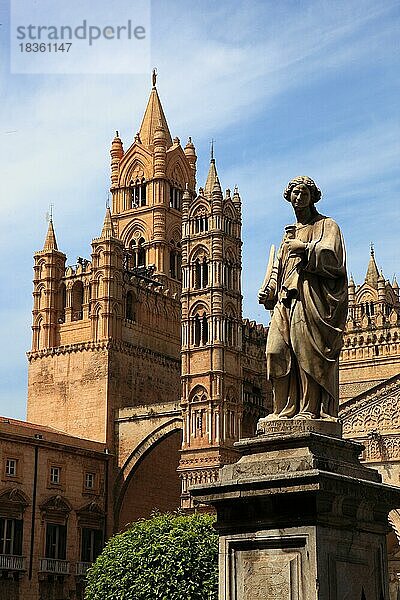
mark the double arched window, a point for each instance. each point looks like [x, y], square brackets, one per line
[200, 330]
[138, 253]
[200, 273]
[138, 193]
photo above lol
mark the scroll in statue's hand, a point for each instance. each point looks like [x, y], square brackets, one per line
[267, 297]
[295, 247]
[263, 296]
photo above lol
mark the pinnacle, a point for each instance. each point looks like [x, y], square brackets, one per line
[108, 230]
[212, 177]
[372, 274]
[50, 242]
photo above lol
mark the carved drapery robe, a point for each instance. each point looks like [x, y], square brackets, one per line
[306, 331]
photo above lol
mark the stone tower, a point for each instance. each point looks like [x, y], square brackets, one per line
[147, 183]
[105, 357]
[211, 401]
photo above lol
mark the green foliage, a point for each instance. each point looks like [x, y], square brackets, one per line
[167, 557]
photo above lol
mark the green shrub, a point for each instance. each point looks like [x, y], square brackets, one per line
[167, 557]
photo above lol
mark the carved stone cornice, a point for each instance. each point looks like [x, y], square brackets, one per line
[108, 344]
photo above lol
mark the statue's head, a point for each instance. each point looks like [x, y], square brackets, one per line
[315, 192]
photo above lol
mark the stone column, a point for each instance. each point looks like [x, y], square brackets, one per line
[300, 518]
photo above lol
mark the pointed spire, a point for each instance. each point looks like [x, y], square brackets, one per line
[153, 115]
[372, 274]
[50, 242]
[395, 285]
[108, 229]
[211, 179]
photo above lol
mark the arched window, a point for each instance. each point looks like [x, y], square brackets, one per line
[138, 193]
[200, 333]
[62, 299]
[175, 198]
[77, 301]
[197, 331]
[137, 253]
[228, 225]
[141, 253]
[229, 275]
[175, 261]
[39, 335]
[130, 307]
[200, 273]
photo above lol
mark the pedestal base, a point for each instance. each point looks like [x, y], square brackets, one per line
[269, 426]
[300, 518]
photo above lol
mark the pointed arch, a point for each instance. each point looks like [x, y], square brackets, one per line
[136, 162]
[199, 394]
[135, 229]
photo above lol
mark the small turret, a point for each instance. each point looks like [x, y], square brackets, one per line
[395, 286]
[185, 201]
[237, 201]
[381, 287]
[190, 153]
[49, 269]
[117, 152]
[216, 197]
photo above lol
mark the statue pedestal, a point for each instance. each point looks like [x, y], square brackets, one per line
[300, 518]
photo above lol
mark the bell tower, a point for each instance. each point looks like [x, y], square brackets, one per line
[147, 184]
[211, 400]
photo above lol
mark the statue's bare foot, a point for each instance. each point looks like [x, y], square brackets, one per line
[270, 417]
[327, 417]
[303, 416]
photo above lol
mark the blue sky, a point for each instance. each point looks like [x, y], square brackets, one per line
[285, 88]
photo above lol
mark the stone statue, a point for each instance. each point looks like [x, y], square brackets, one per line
[306, 287]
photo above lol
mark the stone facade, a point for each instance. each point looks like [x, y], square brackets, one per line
[53, 510]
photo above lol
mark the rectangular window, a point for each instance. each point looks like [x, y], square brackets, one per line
[56, 541]
[11, 536]
[55, 473]
[89, 481]
[11, 467]
[92, 544]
